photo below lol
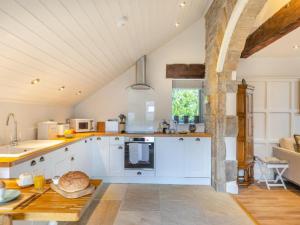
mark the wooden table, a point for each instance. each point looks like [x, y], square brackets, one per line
[49, 206]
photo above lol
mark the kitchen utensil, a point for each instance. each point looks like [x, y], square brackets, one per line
[192, 128]
[89, 190]
[9, 195]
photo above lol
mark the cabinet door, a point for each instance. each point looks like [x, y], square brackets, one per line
[79, 156]
[16, 170]
[60, 161]
[197, 157]
[169, 157]
[116, 160]
[44, 165]
[100, 157]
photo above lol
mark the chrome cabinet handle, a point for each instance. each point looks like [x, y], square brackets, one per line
[117, 138]
[99, 138]
[33, 163]
[66, 149]
[42, 159]
[180, 139]
[197, 139]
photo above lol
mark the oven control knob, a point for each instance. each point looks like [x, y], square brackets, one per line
[139, 173]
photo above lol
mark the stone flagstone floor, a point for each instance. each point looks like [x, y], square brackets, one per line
[147, 204]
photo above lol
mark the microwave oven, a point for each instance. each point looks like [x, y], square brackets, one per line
[82, 125]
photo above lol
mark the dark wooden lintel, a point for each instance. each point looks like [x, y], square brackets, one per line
[185, 71]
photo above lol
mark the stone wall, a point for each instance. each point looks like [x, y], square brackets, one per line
[219, 84]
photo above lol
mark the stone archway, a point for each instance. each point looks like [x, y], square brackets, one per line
[228, 24]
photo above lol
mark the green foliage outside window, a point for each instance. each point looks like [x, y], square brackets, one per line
[185, 102]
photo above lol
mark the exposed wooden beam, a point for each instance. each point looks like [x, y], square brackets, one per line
[185, 71]
[281, 23]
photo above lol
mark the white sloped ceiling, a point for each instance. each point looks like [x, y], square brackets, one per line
[77, 43]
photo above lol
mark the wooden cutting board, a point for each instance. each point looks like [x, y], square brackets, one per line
[15, 203]
[77, 194]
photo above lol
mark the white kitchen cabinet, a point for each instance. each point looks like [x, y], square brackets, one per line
[169, 156]
[100, 156]
[33, 166]
[197, 157]
[24, 167]
[80, 156]
[116, 157]
[61, 161]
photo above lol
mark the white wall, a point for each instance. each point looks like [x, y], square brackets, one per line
[27, 116]
[111, 100]
[276, 100]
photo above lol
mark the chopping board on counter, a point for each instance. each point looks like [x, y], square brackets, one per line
[77, 194]
[17, 202]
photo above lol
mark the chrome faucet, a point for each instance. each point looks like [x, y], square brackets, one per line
[14, 140]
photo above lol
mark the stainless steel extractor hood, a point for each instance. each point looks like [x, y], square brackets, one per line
[140, 80]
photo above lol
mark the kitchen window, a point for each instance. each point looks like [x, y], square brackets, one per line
[187, 101]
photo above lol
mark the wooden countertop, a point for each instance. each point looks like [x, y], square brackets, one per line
[11, 161]
[50, 206]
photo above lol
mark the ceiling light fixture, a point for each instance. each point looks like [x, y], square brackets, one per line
[35, 81]
[296, 47]
[182, 4]
[177, 24]
[79, 93]
[122, 21]
[61, 88]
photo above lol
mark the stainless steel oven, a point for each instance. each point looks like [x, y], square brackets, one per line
[139, 153]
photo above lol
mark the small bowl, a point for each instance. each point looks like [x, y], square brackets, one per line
[69, 135]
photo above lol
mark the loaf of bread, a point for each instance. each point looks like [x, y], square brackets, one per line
[74, 181]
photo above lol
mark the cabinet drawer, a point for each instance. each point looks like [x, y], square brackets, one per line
[116, 140]
[139, 173]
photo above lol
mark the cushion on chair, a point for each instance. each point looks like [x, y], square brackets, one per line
[271, 160]
[288, 143]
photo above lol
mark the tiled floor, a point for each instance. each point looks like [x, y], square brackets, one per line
[138, 204]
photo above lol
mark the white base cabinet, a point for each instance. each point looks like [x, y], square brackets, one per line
[116, 156]
[177, 160]
[183, 157]
[100, 154]
[169, 157]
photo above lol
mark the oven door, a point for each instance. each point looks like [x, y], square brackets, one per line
[139, 155]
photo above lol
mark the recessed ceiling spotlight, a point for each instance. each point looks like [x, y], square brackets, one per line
[296, 47]
[122, 21]
[35, 81]
[61, 88]
[177, 24]
[78, 92]
[182, 4]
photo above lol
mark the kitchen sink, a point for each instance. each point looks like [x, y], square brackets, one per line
[26, 147]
